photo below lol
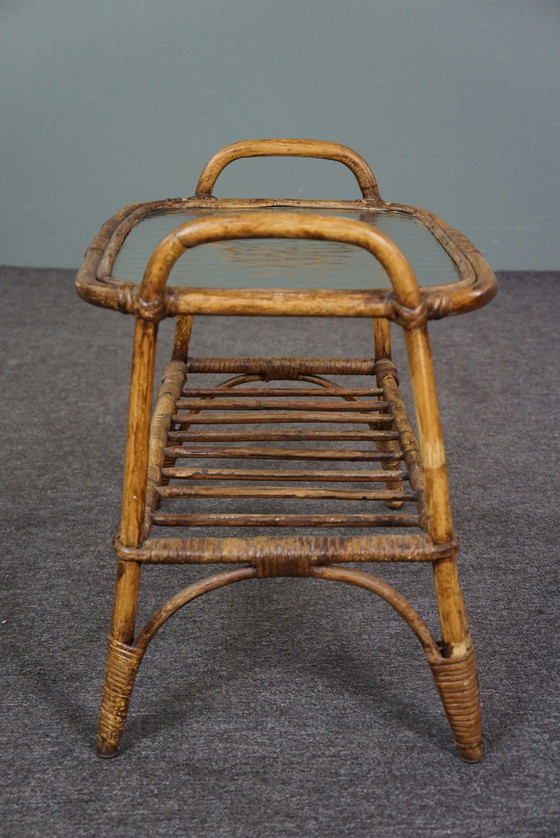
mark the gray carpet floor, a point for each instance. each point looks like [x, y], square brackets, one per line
[275, 707]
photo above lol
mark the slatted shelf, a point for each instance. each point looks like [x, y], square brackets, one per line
[240, 412]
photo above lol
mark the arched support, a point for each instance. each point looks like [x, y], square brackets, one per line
[403, 608]
[332, 572]
[123, 661]
[203, 586]
[455, 679]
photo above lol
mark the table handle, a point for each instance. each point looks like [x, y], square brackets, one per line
[288, 148]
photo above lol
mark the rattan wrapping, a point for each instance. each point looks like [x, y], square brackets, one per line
[457, 683]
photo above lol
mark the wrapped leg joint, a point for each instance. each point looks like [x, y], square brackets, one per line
[122, 665]
[457, 684]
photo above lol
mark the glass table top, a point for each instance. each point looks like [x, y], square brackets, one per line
[286, 263]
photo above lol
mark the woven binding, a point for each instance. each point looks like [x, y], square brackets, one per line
[457, 685]
[317, 549]
[122, 665]
[282, 368]
[275, 565]
[410, 318]
[385, 367]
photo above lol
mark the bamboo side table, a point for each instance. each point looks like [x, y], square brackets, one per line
[319, 439]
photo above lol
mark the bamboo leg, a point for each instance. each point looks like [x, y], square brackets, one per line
[382, 341]
[182, 338]
[123, 659]
[382, 338]
[454, 626]
[180, 352]
[455, 675]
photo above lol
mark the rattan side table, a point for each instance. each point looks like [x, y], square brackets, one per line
[319, 439]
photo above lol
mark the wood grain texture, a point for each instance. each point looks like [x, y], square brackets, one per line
[282, 492]
[259, 519]
[269, 453]
[288, 148]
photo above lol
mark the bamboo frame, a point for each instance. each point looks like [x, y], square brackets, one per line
[288, 148]
[95, 284]
[412, 469]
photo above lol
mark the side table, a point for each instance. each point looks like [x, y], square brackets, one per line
[346, 442]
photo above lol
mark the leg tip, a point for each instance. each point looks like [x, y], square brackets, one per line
[472, 755]
[106, 750]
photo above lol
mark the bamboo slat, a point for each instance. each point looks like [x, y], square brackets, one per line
[283, 492]
[261, 418]
[331, 475]
[255, 392]
[171, 519]
[279, 453]
[279, 404]
[279, 436]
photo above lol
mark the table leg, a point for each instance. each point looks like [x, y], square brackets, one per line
[455, 674]
[123, 658]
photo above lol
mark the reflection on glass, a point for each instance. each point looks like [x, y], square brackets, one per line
[286, 263]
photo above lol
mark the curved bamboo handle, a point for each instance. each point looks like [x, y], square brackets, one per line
[285, 226]
[288, 148]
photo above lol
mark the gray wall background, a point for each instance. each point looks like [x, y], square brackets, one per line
[455, 103]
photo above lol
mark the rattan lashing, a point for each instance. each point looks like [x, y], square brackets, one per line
[267, 404]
